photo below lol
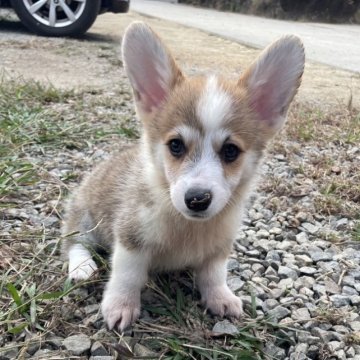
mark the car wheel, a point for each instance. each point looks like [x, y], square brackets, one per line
[57, 17]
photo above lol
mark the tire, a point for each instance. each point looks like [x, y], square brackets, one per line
[57, 17]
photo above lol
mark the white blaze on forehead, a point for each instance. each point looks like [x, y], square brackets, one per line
[214, 105]
[188, 133]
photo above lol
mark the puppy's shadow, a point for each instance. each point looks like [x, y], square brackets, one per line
[169, 295]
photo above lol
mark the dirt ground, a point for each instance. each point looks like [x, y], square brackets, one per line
[92, 62]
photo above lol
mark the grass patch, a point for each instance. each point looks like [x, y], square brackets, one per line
[37, 118]
[356, 232]
[308, 123]
[321, 148]
[36, 297]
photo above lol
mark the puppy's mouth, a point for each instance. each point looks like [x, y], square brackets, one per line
[197, 216]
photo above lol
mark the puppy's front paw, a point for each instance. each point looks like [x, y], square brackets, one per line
[221, 301]
[81, 270]
[120, 311]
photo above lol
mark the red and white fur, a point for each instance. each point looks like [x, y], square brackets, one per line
[175, 200]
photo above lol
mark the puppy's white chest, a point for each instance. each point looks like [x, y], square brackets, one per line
[176, 243]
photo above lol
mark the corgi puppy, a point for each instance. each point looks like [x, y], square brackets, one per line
[175, 200]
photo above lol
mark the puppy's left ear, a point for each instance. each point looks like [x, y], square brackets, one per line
[151, 69]
[273, 79]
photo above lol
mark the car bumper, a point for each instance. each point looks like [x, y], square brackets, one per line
[119, 6]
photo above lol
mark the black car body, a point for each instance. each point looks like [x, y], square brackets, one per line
[62, 17]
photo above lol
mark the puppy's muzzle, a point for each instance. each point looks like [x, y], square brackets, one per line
[198, 199]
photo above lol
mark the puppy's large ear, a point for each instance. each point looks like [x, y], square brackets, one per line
[273, 79]
[150, 67]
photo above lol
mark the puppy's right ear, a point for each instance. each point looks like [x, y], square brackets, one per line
[151, 69]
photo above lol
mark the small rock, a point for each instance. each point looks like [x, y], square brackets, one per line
[310, 228]
[262, 234]
[336, 170]
[249, 299]
[340, 355]
[301, 314]
[269, 304]
[263, 245]
[301, 216]
[55, 342]
[287, 283]
[302, 238]
[257, 268]
[77, 344]
[319, 289]
[286, 272]
[301, 348]
[9, 352]
[98, 349]
[308, 270]
[339, 300]
[331, 286]
[274, 351]
[45, 354]
[253, 253]
[350, 281]
[324, 335]
[91, 309]
[235, 283]
[143, 351]
[224, 328]
[341, 329]
[355, 325]
[303, 260]
[350, 352]
[355, 300]
[313, 351]
[335, 345]
[341, 224]
[286, 245]
[278, 313]
[277, 293]
[347, 290]
[232, 265]
[273, 255]
[307, 338]
[275, 231]
[320, 255]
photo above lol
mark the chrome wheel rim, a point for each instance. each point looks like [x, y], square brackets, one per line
[55, 13]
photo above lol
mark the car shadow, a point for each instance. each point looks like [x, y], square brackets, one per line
[94, 37]
[13, 26]
[16, 27]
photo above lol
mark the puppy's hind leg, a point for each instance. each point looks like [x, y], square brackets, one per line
[76, 247]
[81, 264]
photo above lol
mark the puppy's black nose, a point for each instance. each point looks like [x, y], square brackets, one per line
[198, 199]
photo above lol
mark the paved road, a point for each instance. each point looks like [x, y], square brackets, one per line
[335, 45]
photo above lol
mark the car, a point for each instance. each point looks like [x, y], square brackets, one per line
[62, 17]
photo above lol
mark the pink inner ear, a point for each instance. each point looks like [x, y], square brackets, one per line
[150, 79]
[262, 101]
[152, 93]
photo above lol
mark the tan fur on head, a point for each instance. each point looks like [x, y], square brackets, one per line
[175, 200]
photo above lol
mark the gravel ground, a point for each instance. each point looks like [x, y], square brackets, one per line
[296, 259]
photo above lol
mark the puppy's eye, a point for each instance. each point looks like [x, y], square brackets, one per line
[176, 147]
[229, 152]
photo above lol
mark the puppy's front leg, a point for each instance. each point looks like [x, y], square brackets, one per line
[121, 301]
[215, 294]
